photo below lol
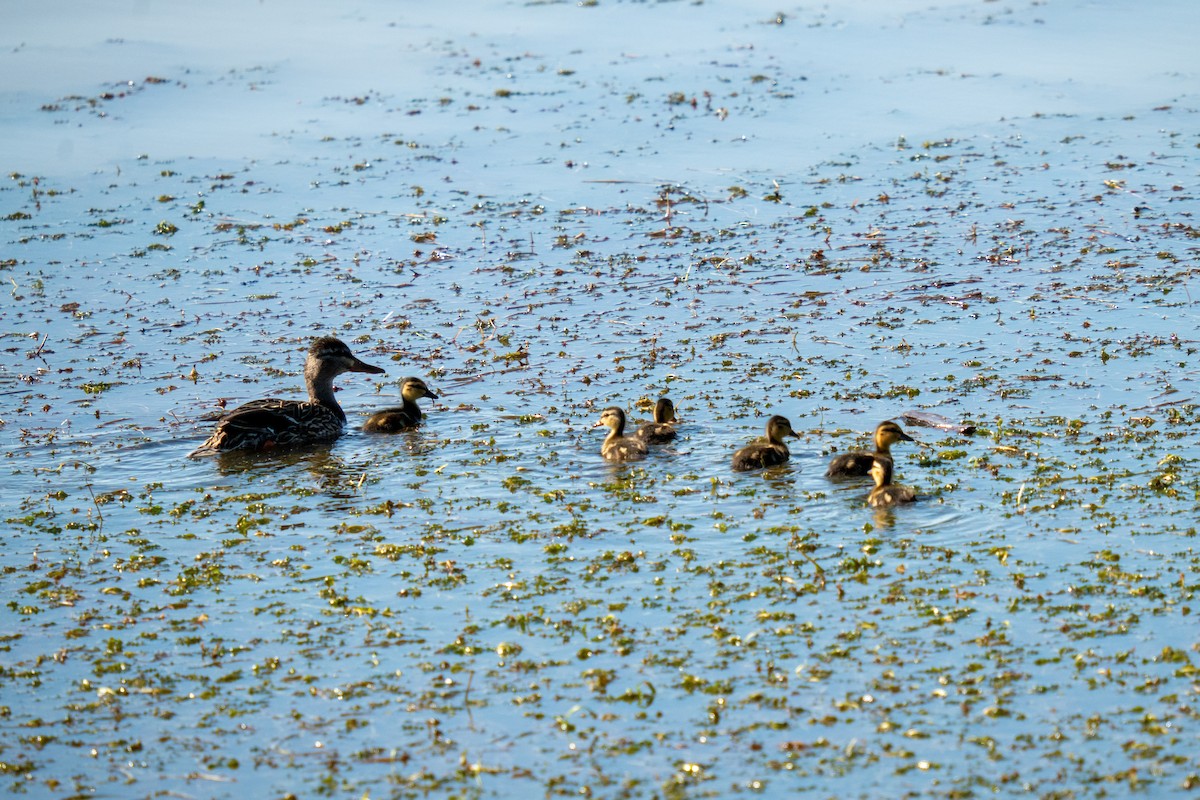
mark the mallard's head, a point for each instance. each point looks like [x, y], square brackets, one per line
[329, 356]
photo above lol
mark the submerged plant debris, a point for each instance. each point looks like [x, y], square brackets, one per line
[482, 606]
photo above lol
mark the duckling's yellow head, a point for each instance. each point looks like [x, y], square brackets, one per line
[779, 427]
[664, 410]
[888, 433]
[415, 389]
[612, 418]
[881, 471]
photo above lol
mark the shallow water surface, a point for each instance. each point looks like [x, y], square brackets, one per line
[540, 224]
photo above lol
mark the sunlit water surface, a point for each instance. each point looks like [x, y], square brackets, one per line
[984, 211]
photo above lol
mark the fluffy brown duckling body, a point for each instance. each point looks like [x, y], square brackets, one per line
[662, 430]
[394, 420]
[274, 423]
[617, 446]
[858, 464]
[770, 453]
[887, 494]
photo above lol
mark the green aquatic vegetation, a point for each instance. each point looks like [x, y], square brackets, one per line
[423, 587]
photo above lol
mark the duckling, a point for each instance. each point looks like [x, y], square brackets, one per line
[769, 453]
[661, 430]
[274, 423]
[617, 446]
[855, 464]
[394, 420]
[885, 492]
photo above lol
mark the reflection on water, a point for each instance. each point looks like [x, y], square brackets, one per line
[317, 460]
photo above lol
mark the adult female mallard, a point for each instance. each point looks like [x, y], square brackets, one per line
[770, 453]
[273, 423]
[661, 430]
[856, 464]
[393, 420]
[886, 493]
[617, 446]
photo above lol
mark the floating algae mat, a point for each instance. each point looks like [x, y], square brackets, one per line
[541, 226]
